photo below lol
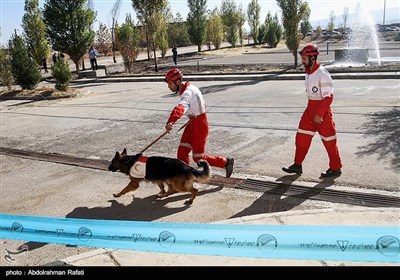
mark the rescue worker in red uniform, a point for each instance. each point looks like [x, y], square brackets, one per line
[194, 137]
[317, 116]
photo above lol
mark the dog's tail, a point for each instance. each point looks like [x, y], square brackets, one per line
[202, 176]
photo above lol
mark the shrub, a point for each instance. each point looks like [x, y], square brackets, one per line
[6, 76]
[60, 71]
[25, 70]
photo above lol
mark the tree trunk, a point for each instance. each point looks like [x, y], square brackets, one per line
[148, 45]
[155, 60]
[113, 40]
[295, 59]
[113, 51]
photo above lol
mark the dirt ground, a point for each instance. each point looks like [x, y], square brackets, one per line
[39, 93]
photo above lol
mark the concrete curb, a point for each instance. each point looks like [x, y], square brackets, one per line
[242, 77]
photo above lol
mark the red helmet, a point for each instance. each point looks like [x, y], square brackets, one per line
[173, 75]
[309, 50]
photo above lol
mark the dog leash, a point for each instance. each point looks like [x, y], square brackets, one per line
[185, 125]
[152, 143]
[162, 135]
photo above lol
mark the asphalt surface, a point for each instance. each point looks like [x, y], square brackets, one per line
[252, 120]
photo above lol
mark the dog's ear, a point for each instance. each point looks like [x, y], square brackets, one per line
[117, 155]
[124, 152]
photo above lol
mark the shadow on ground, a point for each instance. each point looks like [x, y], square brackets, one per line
[384, 130]
[273, 200]
[140, 209]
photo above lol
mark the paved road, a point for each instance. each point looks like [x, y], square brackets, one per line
[257, 119]
[255, 122]
[388, 51]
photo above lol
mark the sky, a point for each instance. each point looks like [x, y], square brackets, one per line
[12, 11]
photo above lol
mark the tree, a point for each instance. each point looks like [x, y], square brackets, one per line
[215, 29]
[162, 33]
[128, 35]
[230, 18]
[345, 16]
[23, 67]
[35, 31]
[331, 23]
[253, 18]
[241, 19]
[305, 24]
[197, 22]
[277, 28]
[61, 73]
[149, 14]
[117, 43]
[6, 76]
[114, 18]
[318, 30]
[292, 13]
[269, 36]
[273, 30]
[178, 31]
[262, 33]
[69, 27]
[103, 40]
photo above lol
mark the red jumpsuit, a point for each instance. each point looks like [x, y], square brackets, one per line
[195, 135]
[319, 89]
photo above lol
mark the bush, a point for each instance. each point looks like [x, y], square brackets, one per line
[6, 76]
[25, 70]
[60, 71]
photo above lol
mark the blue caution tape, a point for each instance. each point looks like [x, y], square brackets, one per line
[336, 243]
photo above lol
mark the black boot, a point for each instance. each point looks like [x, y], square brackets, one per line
[294, 168]
[330, 173]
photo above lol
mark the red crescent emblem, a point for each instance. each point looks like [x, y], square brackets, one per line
[136, 166]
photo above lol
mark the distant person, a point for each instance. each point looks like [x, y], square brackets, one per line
[44, 63]
[317, 117]
[93, 57]
[54, 58]
[175, 54]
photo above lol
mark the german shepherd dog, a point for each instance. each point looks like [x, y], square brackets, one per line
[178, 176]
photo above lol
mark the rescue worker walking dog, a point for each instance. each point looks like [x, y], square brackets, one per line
[159, 170]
